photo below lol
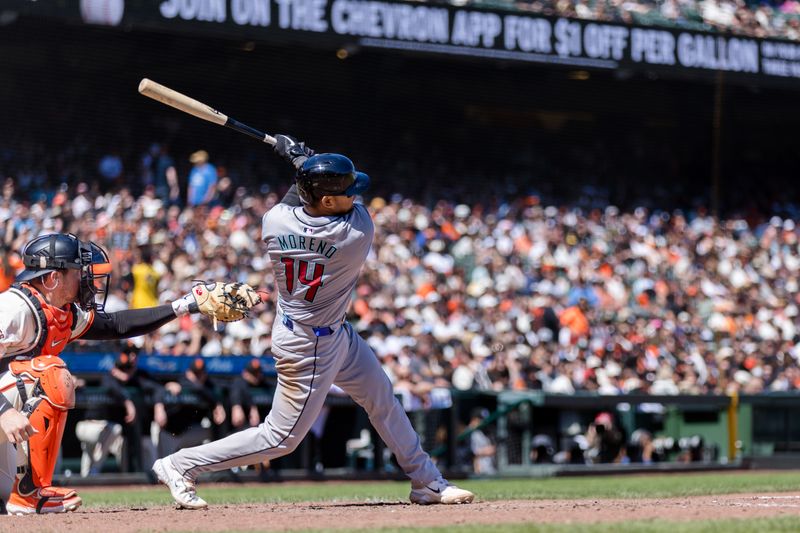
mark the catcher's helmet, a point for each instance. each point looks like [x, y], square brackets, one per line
[329, 175]
[60, 251]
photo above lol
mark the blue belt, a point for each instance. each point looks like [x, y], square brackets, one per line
[319, 332]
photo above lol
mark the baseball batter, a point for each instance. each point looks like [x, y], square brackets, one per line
[317, 239]
[59, 298]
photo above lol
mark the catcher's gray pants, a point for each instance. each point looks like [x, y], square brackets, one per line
[307, 366]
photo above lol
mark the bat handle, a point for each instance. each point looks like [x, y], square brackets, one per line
[248, 130]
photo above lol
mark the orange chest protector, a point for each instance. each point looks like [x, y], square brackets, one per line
[54, 324]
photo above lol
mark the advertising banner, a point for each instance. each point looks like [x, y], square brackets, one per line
[442, 29]
[99, 362]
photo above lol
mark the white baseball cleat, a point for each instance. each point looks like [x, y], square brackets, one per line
[440, 491]
[182, 488]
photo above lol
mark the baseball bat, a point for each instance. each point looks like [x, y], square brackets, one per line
[173, 98]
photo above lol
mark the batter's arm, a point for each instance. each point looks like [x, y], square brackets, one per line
[291, 150]
[292, 198]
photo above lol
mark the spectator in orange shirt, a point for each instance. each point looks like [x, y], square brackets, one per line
[9, 264]
[574, 319]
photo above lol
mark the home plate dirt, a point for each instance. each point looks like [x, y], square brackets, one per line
[374, 515]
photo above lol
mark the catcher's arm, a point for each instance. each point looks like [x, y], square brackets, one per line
[292, 198]
[229, 302]
[128, 323]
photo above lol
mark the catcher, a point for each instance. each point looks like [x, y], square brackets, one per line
[59, 298]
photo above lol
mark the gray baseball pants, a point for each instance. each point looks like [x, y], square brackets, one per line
[307, 366]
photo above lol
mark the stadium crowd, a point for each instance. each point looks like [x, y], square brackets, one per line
[493, 295]
[779, 18]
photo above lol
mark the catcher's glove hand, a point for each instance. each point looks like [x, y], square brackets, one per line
[226, 302]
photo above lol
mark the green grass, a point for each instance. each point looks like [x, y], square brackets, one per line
[645, 486]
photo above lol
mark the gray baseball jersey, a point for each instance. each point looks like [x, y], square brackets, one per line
[316, 261]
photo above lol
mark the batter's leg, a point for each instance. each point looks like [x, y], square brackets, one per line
[303, 384]
[362, 377]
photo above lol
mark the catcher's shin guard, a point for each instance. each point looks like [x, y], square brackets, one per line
[52, 394]
[42, 447]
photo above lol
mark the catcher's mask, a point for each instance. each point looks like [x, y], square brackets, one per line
[329, 175]
[63, 251]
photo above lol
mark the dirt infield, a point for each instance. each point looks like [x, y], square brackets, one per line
[294, 516]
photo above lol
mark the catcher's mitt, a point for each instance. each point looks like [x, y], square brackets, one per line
[226, 302]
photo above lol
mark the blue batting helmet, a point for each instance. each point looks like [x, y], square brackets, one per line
[329, 175]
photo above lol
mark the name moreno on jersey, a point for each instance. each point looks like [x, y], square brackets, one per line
[314, 278]
[300, 242]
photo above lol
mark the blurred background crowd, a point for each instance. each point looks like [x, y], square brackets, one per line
[508, 293]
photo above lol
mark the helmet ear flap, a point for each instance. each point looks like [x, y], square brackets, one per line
[306, 192]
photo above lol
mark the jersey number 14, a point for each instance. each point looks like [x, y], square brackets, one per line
[301, 275]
